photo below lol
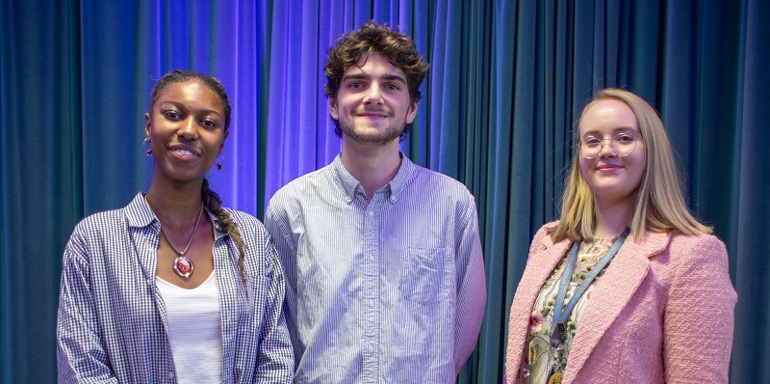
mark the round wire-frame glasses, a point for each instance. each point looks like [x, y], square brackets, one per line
[622, 144]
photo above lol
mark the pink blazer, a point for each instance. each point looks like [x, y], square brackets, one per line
[662, 312]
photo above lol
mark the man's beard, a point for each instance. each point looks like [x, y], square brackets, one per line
[379, 138]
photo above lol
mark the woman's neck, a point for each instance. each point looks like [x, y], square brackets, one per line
[175, 206]
[612, 219]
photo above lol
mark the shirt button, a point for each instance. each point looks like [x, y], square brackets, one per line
[371, 213]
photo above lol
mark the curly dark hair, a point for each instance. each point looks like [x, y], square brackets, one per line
[398, 48]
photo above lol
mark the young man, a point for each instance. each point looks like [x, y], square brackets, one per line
[383, 264]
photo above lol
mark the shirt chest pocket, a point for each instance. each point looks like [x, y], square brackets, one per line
[426, 274]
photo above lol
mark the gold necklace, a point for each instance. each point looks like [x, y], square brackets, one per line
[183, 266]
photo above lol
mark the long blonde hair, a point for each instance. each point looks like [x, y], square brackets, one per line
[659, 204]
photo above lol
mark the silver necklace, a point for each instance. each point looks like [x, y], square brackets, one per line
[183, 266]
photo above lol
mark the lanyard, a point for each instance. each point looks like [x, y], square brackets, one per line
[560, 315]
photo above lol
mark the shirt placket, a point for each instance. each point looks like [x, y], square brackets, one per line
[371, 283]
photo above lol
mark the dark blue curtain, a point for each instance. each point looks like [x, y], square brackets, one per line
[508, 79]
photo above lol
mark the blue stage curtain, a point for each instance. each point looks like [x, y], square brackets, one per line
[507, 81]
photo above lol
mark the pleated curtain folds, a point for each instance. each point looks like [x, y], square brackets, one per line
[507, 82]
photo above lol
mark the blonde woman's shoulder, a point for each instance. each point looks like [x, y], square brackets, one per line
[702, 244]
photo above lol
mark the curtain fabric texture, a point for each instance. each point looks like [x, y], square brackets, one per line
[507, 82]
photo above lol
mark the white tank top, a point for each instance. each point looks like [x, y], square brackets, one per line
[194, 330]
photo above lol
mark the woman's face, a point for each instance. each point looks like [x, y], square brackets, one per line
[186, 130]
[612, 176]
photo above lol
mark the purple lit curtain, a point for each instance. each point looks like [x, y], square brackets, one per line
[507, 81]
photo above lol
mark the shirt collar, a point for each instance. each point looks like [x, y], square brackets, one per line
[140, 215]
[350, 185]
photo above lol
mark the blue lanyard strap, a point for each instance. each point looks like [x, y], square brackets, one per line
[561, 313]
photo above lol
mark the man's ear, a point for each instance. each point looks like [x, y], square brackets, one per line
[412, 113]
[333, 110]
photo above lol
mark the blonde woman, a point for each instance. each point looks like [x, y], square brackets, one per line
[646, 296]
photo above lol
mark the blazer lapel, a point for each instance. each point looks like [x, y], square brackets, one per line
[612, 293]
[539, 267]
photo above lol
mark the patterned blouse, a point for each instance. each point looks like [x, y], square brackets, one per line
[541, 361]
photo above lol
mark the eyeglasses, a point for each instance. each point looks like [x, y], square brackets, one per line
[622, 144]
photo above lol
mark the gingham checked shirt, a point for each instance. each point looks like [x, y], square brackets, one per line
[388, 290]
[112, 320]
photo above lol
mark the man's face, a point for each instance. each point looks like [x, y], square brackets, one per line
[372, 104]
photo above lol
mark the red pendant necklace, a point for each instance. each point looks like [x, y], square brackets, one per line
[183, 266]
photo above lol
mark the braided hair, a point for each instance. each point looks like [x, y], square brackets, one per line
[211, 199]
[214, 204]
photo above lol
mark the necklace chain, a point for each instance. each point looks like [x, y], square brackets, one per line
[192, 235]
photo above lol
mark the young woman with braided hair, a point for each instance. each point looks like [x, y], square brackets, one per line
[174, 287]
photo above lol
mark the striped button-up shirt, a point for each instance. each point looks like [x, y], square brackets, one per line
[383, 290]
[112, 321]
